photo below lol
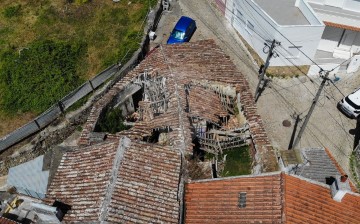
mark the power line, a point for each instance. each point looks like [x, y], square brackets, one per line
[332, 82]
[321, 69]
[265, 31]
[342, 63]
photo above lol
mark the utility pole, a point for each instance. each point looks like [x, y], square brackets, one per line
[263, 68]
[298, 137]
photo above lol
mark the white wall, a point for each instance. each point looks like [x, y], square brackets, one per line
[330, 39]
[307, 12]
[307, 37]
[356, 45]
[352, 5]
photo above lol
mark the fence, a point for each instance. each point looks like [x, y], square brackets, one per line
[57, 109]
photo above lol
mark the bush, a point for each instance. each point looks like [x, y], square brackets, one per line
[36, 77]
[79, 2]
[12, 11]
[112, 121]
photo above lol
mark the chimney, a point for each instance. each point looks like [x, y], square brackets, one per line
[339, 187]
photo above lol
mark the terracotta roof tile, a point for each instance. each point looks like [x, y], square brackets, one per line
[268, 197]
[216, 201]
[4, 220]
[184, 64]
[142, 188]
[308, 202]
[342, 26]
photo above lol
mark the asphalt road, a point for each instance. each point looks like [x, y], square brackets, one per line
[284, 98]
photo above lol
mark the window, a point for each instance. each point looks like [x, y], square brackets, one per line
[249, 27]
[293, 51]
[240, 16]
[242, 200]
[177, 34]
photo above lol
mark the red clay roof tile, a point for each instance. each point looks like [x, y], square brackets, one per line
[304, 201]
[342, 26]
[145, 184]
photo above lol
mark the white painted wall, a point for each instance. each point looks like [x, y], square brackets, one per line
[307, 37]
[352, 5]
[330, 39]
[356, 45]
[308, 12]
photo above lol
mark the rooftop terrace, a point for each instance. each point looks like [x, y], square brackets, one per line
[284, 12]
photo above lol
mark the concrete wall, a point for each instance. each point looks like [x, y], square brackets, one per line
[253, 28]
[331, 37]
[352, 5]
[308, 12]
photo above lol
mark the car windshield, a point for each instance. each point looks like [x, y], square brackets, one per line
[177, 34]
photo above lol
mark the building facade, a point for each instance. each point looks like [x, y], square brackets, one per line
[322, 31]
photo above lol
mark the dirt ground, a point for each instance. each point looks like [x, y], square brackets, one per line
[284, 98]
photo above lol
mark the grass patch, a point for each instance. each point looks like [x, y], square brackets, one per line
[12, 11]
[78, 103]
[238, 162]
[354, 165]
[39, 75]
[108, 30]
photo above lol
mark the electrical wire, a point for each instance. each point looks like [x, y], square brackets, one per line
[342, 63]
[337, 88]
[269, 34]
[283, 35]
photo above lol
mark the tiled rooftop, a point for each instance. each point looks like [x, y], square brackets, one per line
[307, 202]
[183, 65]
[270, 198]
[4, 220]
[318, 165]
[217, 201]
[119, 181]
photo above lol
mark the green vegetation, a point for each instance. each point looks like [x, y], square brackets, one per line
[112, 121]
[39, 75]
[238, 162]
[12, 11]
[86, 35]
[354, 165]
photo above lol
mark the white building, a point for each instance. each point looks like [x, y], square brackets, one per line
[341, 37]
[326, 31]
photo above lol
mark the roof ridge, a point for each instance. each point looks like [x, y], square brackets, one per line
[124, 144]
[237, 177]
[309, 180]
[282, 196]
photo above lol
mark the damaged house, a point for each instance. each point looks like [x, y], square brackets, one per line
[180, 100]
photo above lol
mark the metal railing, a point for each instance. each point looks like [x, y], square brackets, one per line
[57, 109]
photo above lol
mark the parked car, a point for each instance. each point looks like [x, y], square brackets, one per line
[350, 105]
[183, 31]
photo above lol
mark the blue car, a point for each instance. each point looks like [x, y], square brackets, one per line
[183, 31]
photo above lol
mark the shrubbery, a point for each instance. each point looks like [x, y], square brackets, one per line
[12, 11]
[36, 77]
[112, 121]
